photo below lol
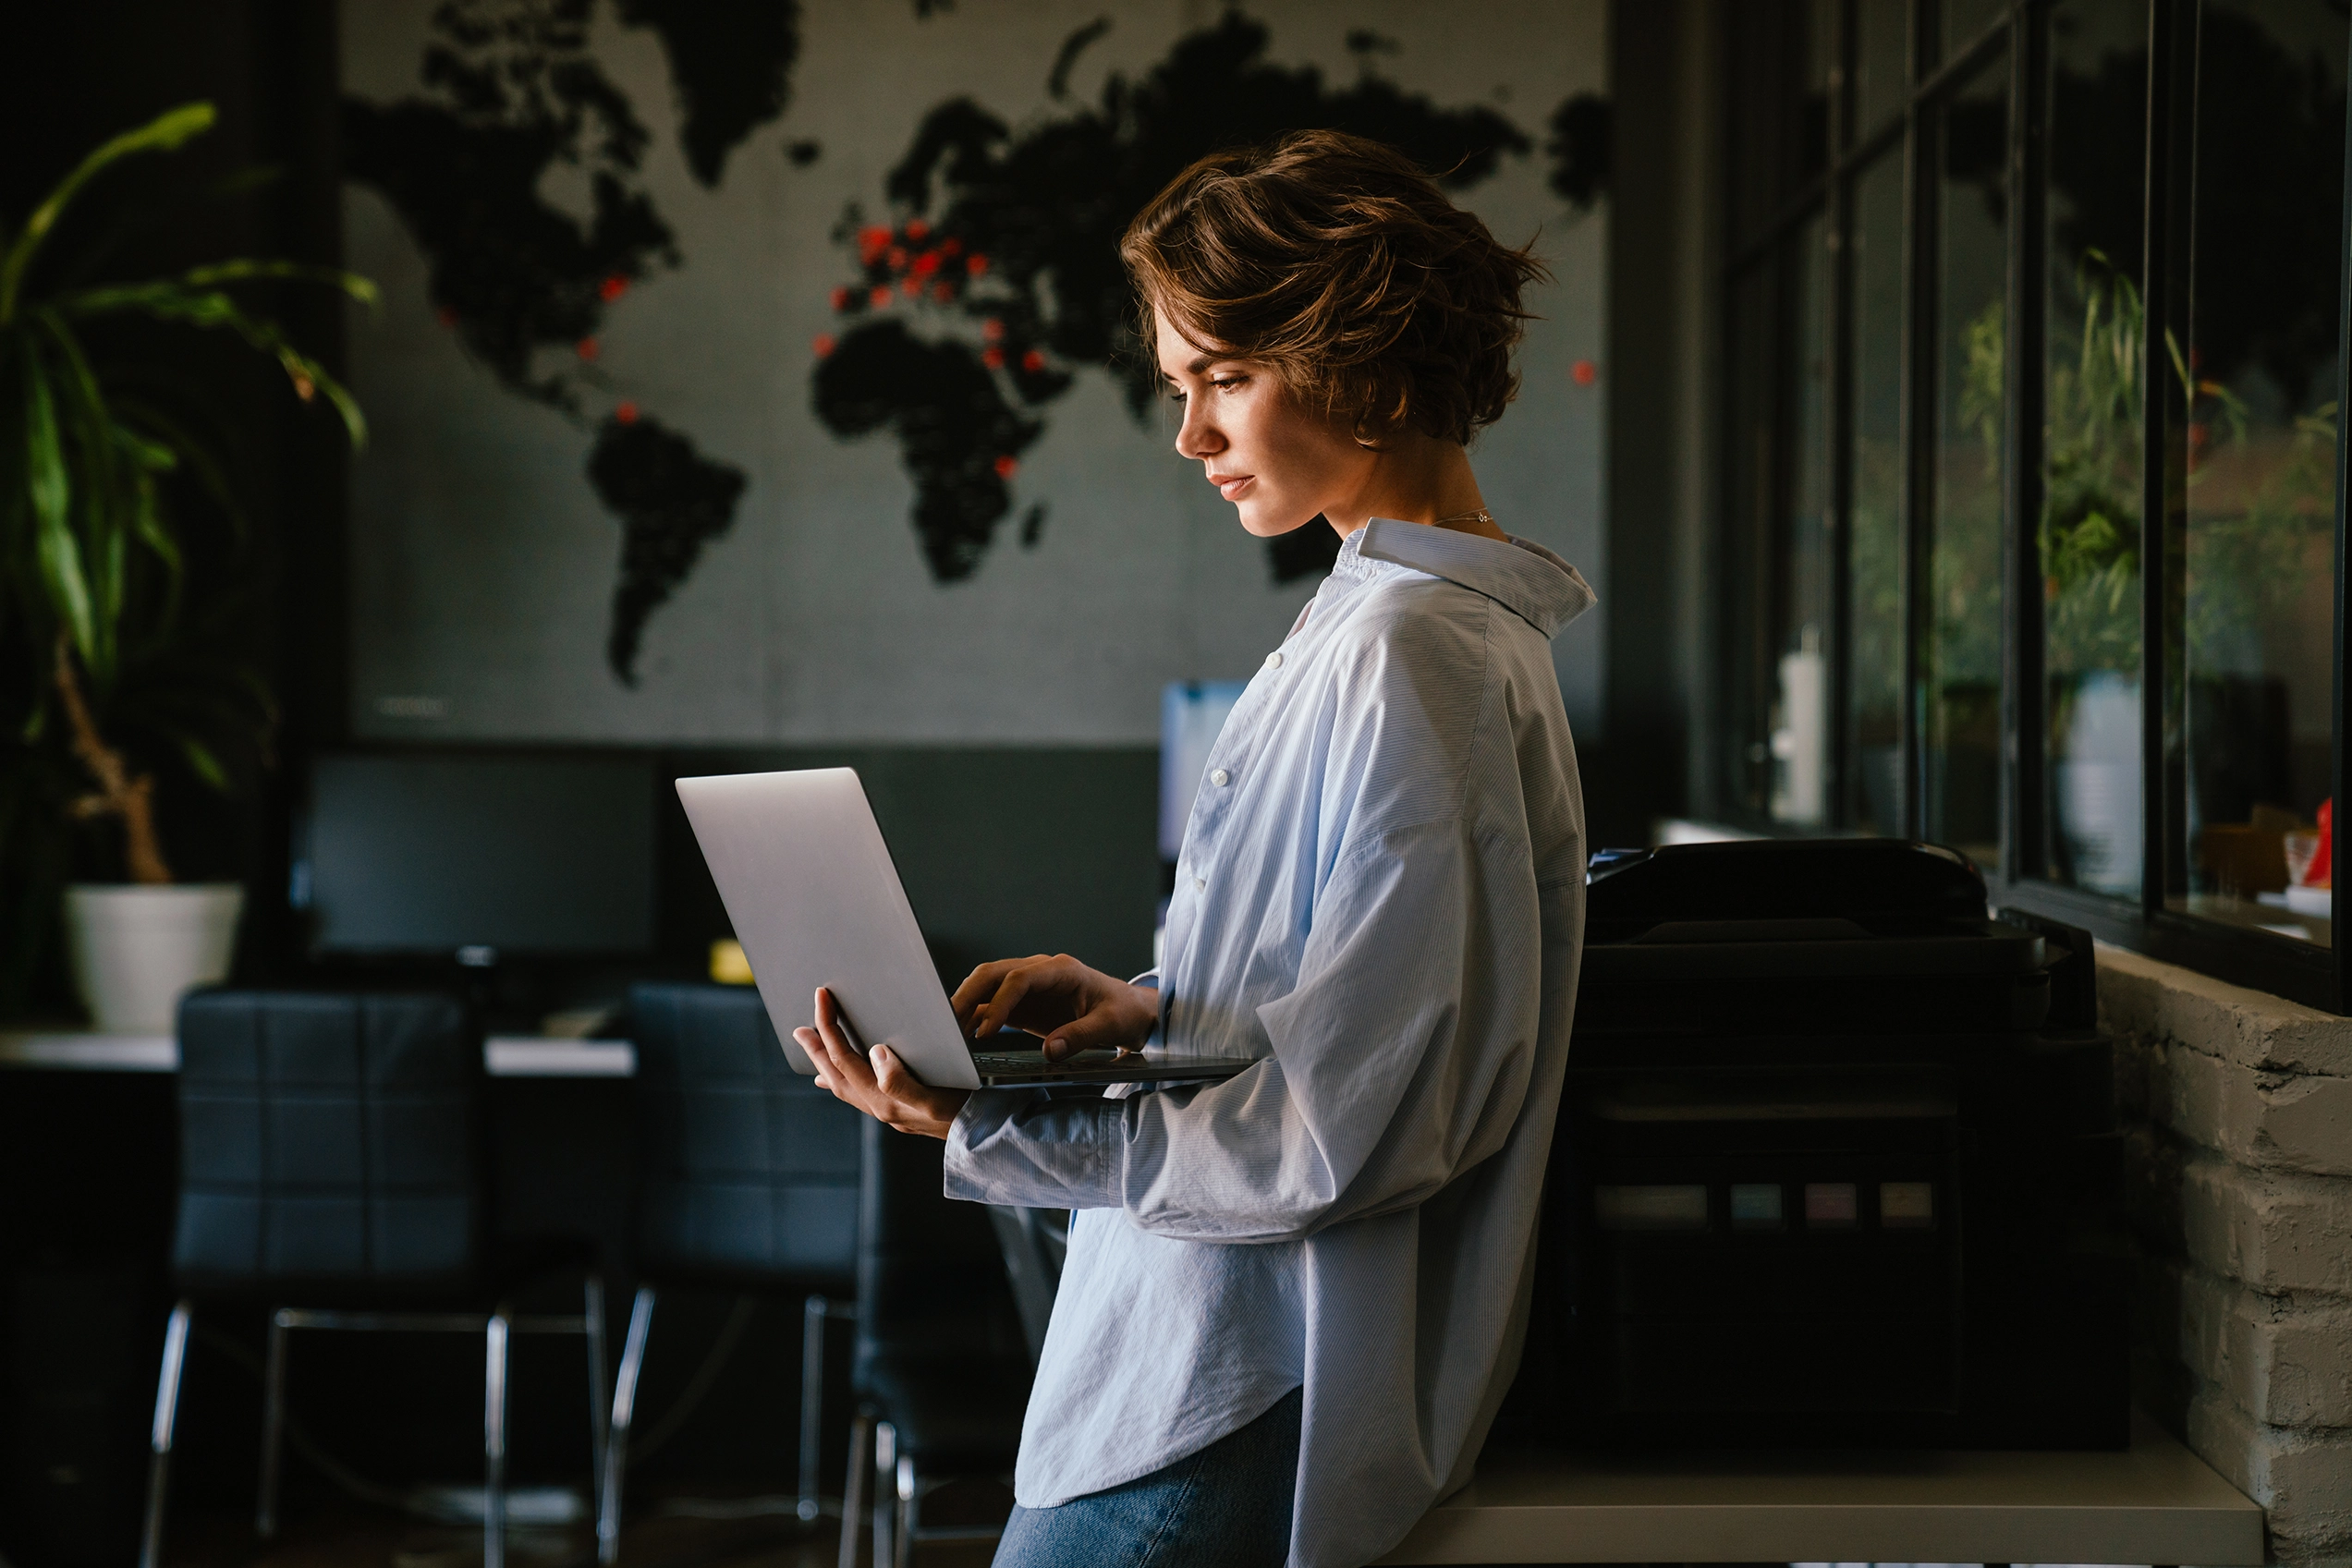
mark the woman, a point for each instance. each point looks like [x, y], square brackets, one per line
[1293, 1300]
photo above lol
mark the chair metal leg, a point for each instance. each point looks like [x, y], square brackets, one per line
[273, 1427]
[608, 1514]
[159, 1463]
[600, 1413]
[853, 1489]
[493, 1439]
[885, 1494]
[813, 1313]
[909, 1512]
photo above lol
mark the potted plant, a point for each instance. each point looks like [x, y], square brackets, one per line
[93, 571]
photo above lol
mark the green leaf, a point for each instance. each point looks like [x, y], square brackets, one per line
[47, 487]
[88, 432]
[147, 456]
[147, 525]
[245, 270]
[207, 766]
[111, 558]
[176, 437]
[162, 134]
[172, 301]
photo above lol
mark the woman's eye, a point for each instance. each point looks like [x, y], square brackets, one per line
[1229, 383]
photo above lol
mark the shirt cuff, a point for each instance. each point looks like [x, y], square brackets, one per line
[1025, 1147]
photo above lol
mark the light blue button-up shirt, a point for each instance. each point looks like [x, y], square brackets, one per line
[1382, 895]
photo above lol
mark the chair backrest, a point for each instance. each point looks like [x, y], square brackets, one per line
[746, 1170]
[931, 1284]
[330, 1138]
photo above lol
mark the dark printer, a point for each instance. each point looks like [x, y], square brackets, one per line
[1837, 1165]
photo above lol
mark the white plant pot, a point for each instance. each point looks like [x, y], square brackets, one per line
[138, 950]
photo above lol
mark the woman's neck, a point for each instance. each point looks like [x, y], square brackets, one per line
[1417, 479]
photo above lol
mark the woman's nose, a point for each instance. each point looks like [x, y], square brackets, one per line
[1196, 436]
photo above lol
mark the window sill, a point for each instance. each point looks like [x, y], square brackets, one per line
[2238, 951]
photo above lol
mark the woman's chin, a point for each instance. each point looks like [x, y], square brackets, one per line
[1269, 522]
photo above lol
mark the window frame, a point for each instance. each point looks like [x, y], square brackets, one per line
[2317, 976]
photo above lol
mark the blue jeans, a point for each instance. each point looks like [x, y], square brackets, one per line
[1227, 1506]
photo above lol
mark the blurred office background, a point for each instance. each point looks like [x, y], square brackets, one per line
[751, 387]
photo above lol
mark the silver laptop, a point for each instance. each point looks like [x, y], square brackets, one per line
[816, 900]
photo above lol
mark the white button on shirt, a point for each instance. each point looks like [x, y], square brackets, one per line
[1219, 777]
[1395, 932]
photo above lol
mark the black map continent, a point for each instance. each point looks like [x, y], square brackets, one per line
[1024, 242]
[511, 90]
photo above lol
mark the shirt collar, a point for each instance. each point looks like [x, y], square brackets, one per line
[1517, 574]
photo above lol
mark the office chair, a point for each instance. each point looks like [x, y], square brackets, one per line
[330, 1157]
[747, 1182]
[942, 1370]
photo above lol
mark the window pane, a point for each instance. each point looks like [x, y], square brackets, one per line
[1800, 742]
[1874, 482]
[1776, 566]
[1751, 485]
[2091, 370]
[1818, 37]
[1881, 46]
[1965, 21]
[1961, 663]
[2251, 711]
[1821, 65]
[1779, 69]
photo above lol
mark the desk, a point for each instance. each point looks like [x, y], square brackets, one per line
[503, 1056]
[2154, 1502]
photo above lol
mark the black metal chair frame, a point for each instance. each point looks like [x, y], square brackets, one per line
[713, 1041]
[897, 1506]
[815, 1311]
[1033, 1250]
[496, 1327]
[429, 1073]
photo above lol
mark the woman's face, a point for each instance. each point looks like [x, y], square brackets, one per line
[1279, 461]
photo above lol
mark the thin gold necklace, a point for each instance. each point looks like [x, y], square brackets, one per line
[1481, 515]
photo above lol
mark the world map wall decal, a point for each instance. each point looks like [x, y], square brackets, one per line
[1022, 272]
[978, 282]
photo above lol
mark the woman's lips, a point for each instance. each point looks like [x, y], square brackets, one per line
[1230, 486]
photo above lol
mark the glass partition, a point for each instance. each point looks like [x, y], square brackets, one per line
[2093, 353]
[2028, 510]
[2250, 710]
[1961, 667]
[1882, 45]
[1874, 505]
[1799, 741]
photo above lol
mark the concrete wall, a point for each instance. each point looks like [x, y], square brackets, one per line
[2238, 1107]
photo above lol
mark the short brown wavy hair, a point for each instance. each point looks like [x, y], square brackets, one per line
[1338, 261]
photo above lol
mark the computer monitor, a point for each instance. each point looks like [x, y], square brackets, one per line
[478, 857]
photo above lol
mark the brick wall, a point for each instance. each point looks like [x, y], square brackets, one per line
[2239, 1110]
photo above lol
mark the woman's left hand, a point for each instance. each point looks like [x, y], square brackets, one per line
[880, 1088]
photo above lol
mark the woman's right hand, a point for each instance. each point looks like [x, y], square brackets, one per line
[1075, 1008]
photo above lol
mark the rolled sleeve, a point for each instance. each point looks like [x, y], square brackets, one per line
[1030, 1150]
[1382, 1087]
